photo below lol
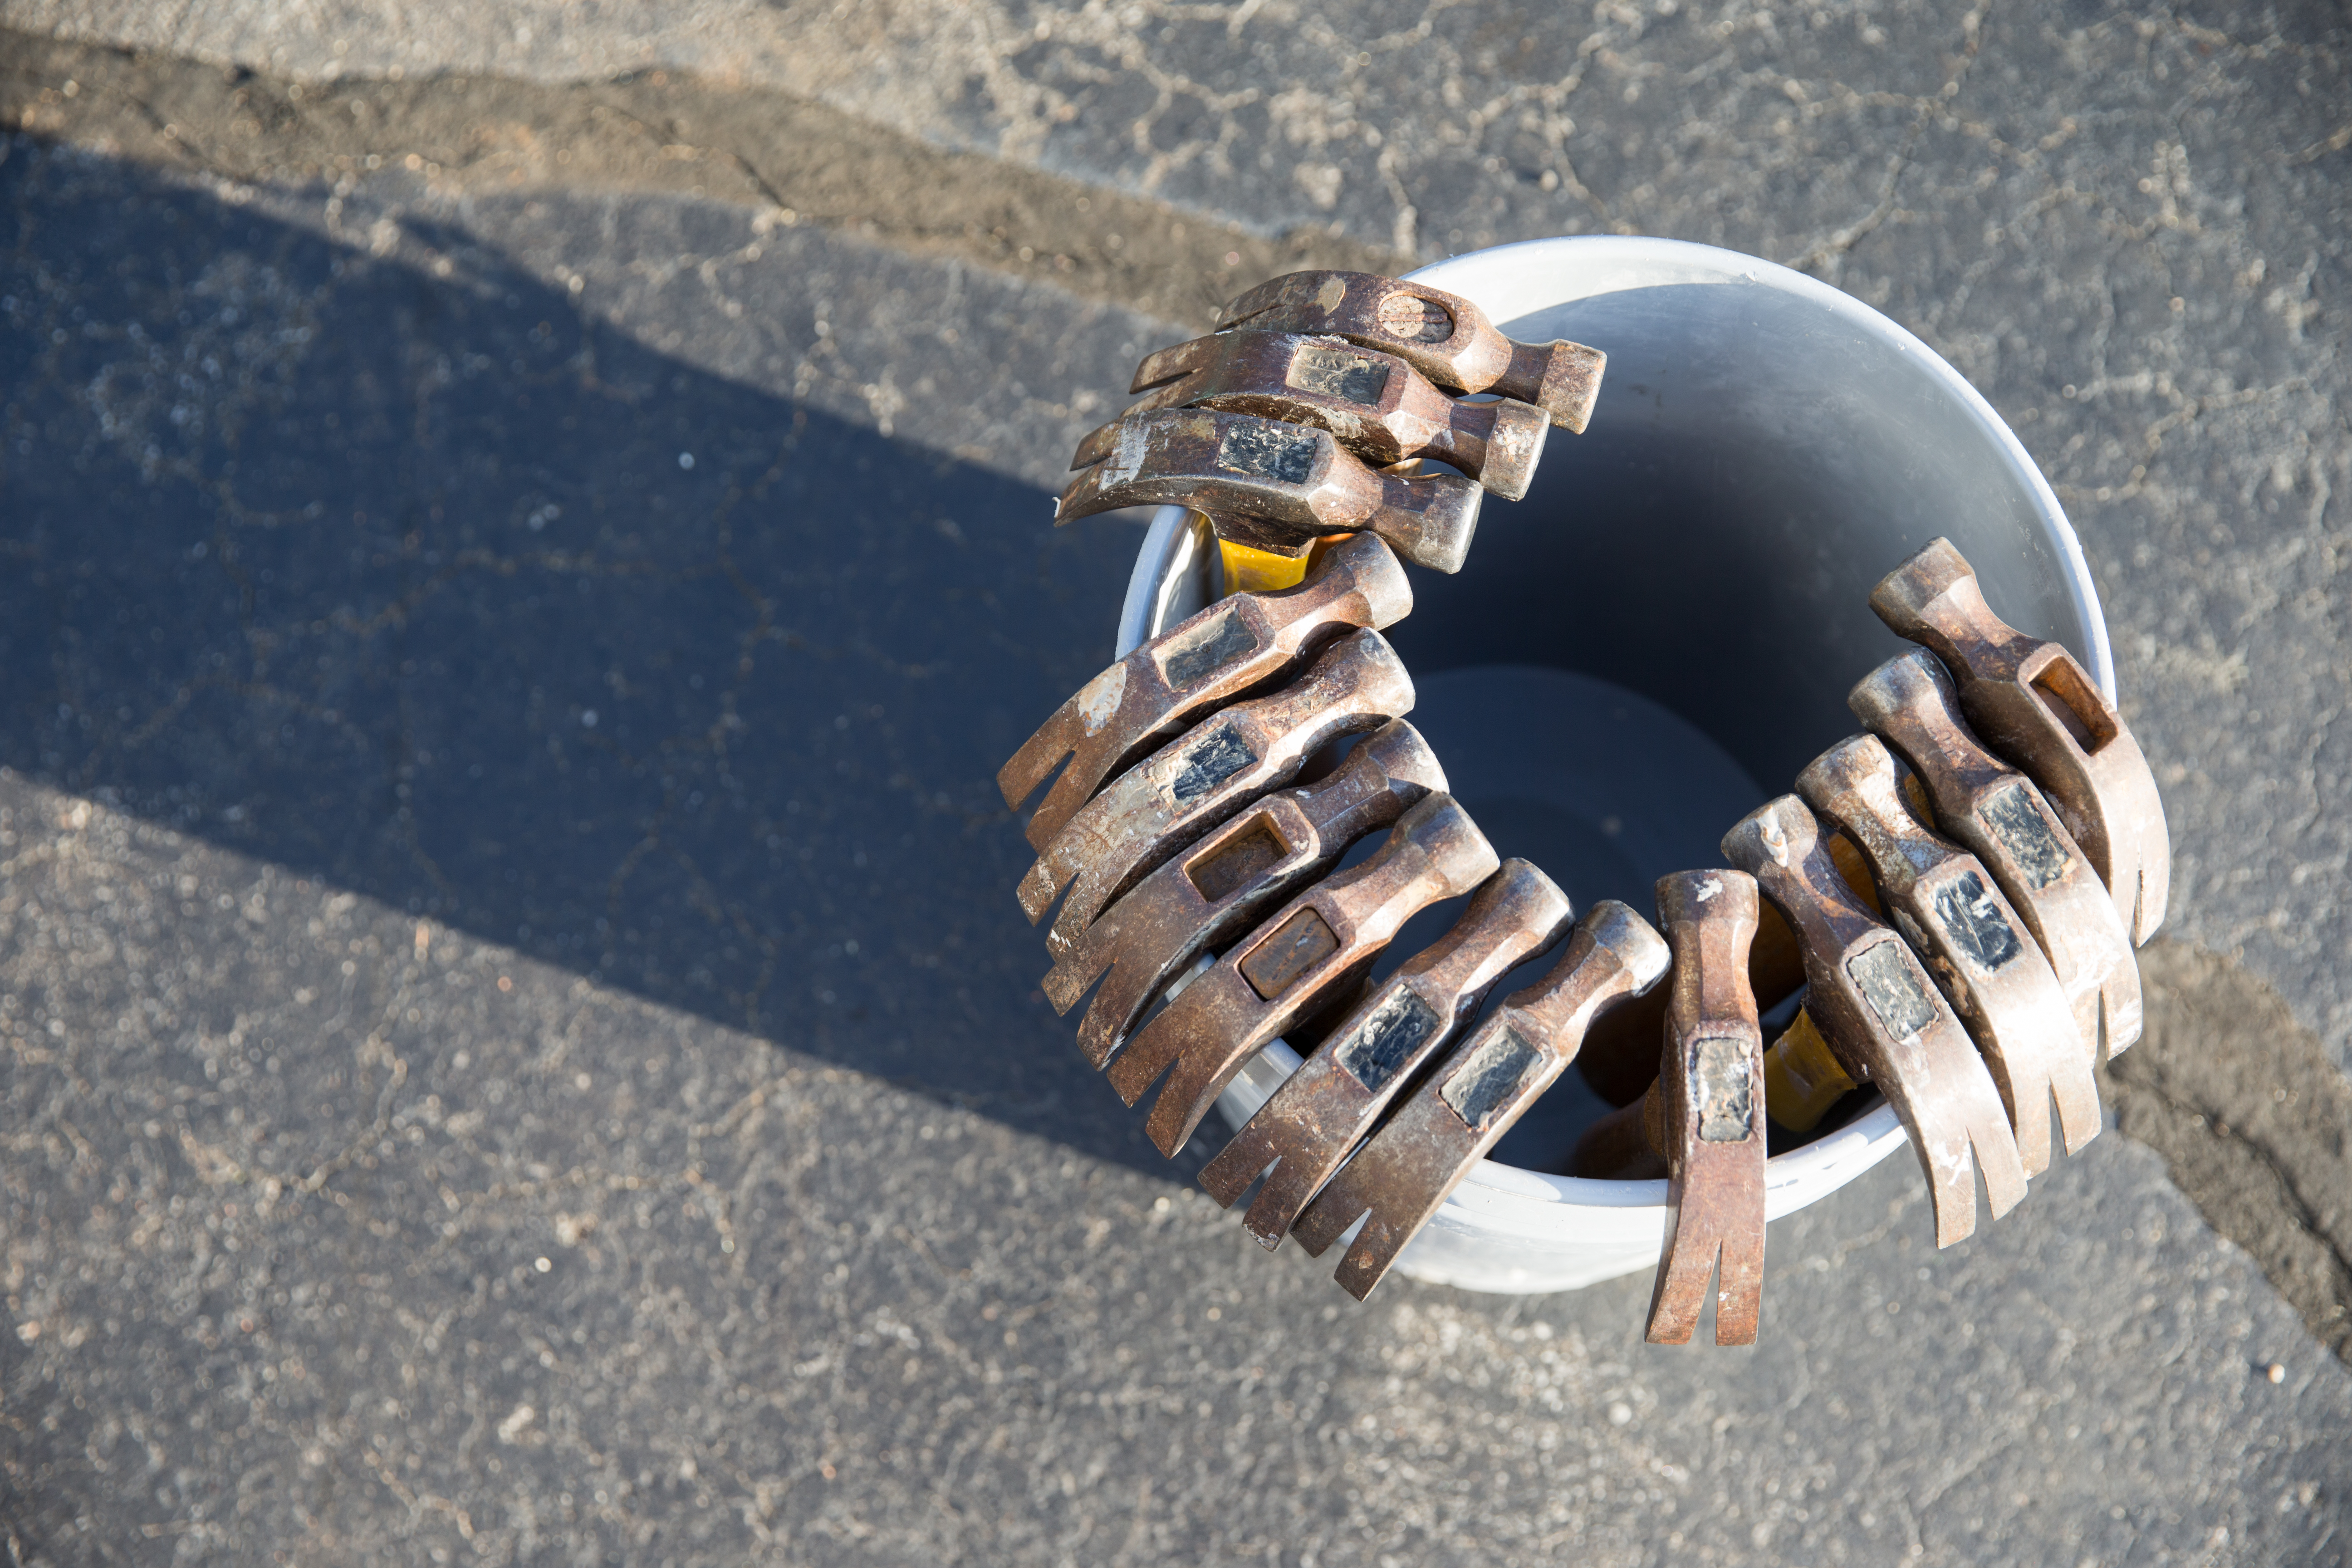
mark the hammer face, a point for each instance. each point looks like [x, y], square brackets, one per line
[1979, 950]
[1998, 816]
[1274, 485]
[1373, 404]
[1884, 1019]
[1410, 1165]
[1204, 776]
[2039, 709]
[1713, 1077]
[1442, 335]
[1208, 658]
[1299, 958]
[1320, 1112]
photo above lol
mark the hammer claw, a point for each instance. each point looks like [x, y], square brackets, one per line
[1710, 1091]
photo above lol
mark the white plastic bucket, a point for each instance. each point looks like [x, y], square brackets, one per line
[1764, 449]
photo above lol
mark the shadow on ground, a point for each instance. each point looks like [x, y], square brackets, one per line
[440, 589]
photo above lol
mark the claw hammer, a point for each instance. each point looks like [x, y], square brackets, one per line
[1272, 485]
[1884, 1019]
[1442, 335]
[1995, 811]
[1440, 1134]
[1977, 949]
[1315, 947]
[1204, 776]
[1200, 663]
[1373, 404]
[1323, 1109]
[2036, 707]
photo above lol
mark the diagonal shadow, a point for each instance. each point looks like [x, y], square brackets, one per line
[400, 581]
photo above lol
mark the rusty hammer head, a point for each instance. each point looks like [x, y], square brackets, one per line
[1998, 815]
[1477, 1092]
[1206, 659]
[1273, 485]
[1951, 912]
[1442, 335]
[1310, 951]
[1373, 404]
[2032, 703]
[1205, 775]
[1884, 1019]
[1330, 1102]
[1712, 1079]
[1221, 885]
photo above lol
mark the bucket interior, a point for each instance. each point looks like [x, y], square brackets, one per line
[1663, 633]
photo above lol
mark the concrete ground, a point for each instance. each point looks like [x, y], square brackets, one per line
[527, 536]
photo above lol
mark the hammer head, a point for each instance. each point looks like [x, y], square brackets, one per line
[1208, 658]
[1221, 885]
[1979, 952]
[2002, 819]
[1203, 776]
[1442, 335]
[1884, 1019]
[1374, 404]
[1274, 486]
[1303, 956]
[1712, 1082]
[1322, 1109]
[1476, 1093]
[2037, 707]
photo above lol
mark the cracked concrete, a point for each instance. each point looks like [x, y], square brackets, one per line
[450, 832]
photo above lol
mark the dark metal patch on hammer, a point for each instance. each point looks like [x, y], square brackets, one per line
[2022, 831]
[1388, 1039]
[1975, 923]
[1188, 660]
[1336, 372]
[1268, 451]
[1892, 991]
[1486, 1082]
[1303, 941]
[1210, 764]
[1721, 1088]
